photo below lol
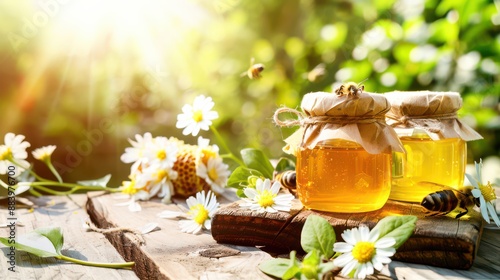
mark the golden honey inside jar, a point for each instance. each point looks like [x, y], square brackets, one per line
[434, 140]
[341, 176]
[428, 166]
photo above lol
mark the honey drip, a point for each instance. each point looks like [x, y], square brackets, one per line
[343, 177]
[427, 167]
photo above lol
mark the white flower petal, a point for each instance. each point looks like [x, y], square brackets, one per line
[385, 242]
[493, 213]
[348, 268]
[342, 247]
[167, 214]
[134, 207]
[386, 252]
[147, 228]
[343, 260]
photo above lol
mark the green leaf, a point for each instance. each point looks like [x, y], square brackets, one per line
[255, 159]
[101, 182]
[397, 227]
[291, 272]
[317, 233]
[240, 176]
[285, 164]
[325, 267]
[275, 267]
[43, 242]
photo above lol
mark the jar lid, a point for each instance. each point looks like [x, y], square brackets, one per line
[433, 112]
[358, 118]
[327, 104]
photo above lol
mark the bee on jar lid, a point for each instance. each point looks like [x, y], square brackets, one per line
[254, 71]
[350, 89]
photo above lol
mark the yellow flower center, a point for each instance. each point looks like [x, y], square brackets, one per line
[363, 251]
[129, 187]
[198, 116]
[212, 174]
[266, 198]
[161, 154]
[208, 153]
[161, 174]
[5, 153]
[488, 192]
[200, 213]
[44, 156]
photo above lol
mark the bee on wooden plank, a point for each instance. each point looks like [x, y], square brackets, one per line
[443, 202]
[350, 89]
[288, 180]
[254, 71]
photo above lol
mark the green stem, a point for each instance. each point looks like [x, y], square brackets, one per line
[54, 171]
[126, 265]
[34, 192]
[225, 147]
[74, 188]
[39, 178]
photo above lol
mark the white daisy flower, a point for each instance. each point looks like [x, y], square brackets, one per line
[135, 154]
[201, 210]
[161, 152]
[215, 173]
[130, 188]
[44, 153]
[265, 198]
[206, 151]
[158, 180]
[13, 152]
[363, 252]
[485, 194]
[198, 116]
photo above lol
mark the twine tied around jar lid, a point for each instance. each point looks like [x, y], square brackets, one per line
[431, 123]
[303, 119]
[326, 116]
[433, 112]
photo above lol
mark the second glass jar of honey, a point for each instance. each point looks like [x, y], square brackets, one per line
[344, 158]
[434, 140]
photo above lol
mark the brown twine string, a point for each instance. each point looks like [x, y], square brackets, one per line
[405, 120]
[138, 235]
[303, 119]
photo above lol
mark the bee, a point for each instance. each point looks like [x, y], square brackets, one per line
[443, 202]
[317, 74]
[287, 179]
[350, 89]
[254, 71]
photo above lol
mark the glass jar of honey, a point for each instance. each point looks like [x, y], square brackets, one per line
[344, 151]
[434, 140]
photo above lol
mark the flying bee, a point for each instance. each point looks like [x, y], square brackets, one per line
[317, 74]
[350, 89]
[443, 202]
[254, 71]
[288, 180]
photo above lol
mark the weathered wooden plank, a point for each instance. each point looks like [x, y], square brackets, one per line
[437, 241]
[169, 253]
[68, 213]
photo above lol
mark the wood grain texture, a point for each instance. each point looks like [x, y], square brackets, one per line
[437, 241]
[169, 253]
[69, 214]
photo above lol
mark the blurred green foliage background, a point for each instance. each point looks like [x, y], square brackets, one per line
[88, 75]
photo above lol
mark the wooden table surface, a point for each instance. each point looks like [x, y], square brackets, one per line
[170, 254]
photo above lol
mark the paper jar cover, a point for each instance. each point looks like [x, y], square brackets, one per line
[357, 118]
[433, 112]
